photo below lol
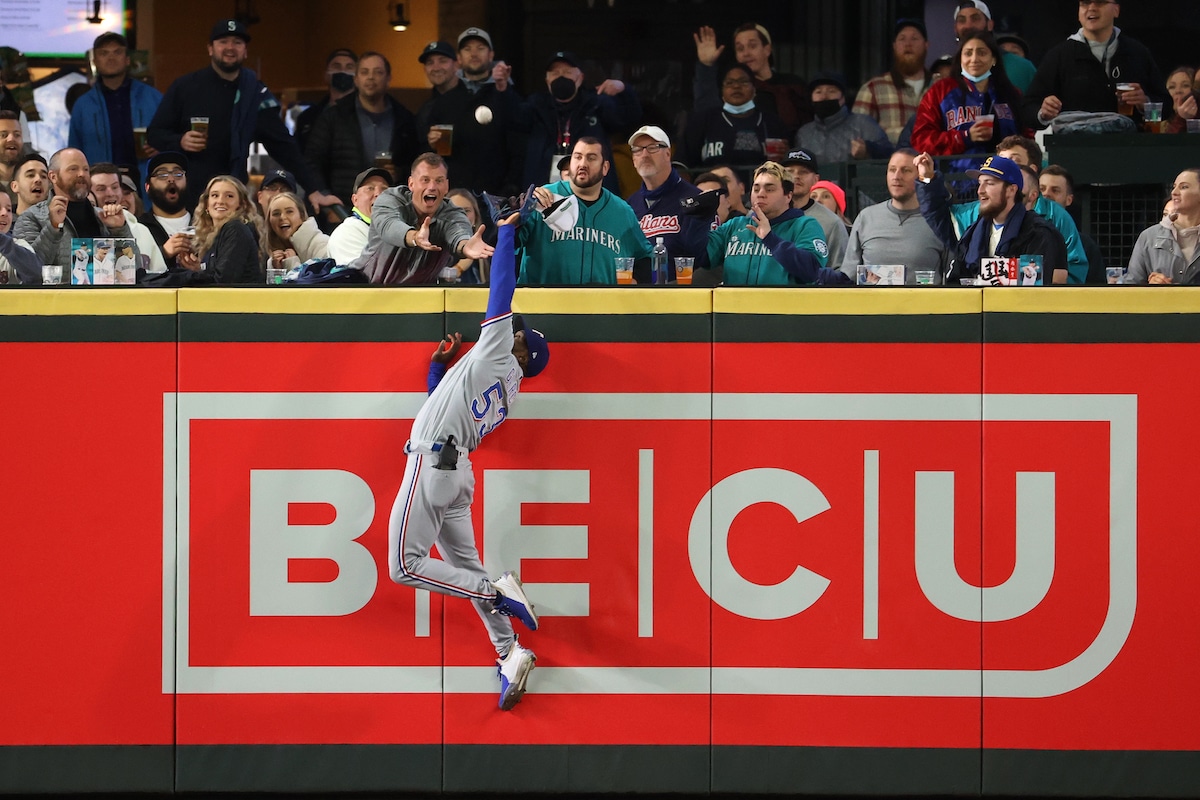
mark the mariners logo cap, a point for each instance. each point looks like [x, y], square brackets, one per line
[279, 176]
[1005, 169]
[437, 49]
[802, 158]
[229, 27]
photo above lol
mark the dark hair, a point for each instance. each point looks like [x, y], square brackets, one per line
[763, 35]
[1030, 147]
[1061, 172]
[740, 68]
[432, 159]
[105, 168]
[341, 51]
[712, 177]
[588, 140]
[387, 65]
[6, 114]
[25, 159]
[1005, 91]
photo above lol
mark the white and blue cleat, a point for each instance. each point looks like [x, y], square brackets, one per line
[512, 602]
[514, 671]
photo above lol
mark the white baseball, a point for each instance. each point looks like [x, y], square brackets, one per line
[483, 115]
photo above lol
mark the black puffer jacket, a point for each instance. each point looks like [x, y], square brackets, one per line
[335, 147]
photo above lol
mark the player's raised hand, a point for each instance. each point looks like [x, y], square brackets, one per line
[448, 348]
[707, 51]
[476, 247]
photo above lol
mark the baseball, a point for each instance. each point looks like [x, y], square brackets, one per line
[483, 115]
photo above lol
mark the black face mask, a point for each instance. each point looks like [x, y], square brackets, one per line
[824, 109]
[562, 87]
[341, 81]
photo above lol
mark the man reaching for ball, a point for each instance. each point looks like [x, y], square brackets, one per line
[433, 505]
[474, 127]
[416, 232]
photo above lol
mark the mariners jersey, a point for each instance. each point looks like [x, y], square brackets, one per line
[795, 246]
[584, 254]
[477, 393]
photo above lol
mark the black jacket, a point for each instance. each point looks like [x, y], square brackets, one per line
[234, 255]
[1032, 235]
[484, 157]
[335, 146]
[1072, 74]
[554, 127]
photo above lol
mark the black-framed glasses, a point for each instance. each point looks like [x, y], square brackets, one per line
[162, 176]
[650, 148]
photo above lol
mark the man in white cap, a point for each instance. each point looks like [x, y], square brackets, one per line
[658, 203]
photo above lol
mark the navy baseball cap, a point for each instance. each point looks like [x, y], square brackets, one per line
[828, 78]
[1005, 169]
[539, 351]
[565, 56]
[167, 157]
[437, 49]
[279, 176]
[229, 27]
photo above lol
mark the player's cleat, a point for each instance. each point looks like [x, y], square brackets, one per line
[529, 204]
[512, 602]
[514, 671]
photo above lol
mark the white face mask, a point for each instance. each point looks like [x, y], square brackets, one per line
[976, 78]
[742, 109]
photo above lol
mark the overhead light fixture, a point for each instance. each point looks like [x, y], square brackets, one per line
[95, 17]
[397, 16]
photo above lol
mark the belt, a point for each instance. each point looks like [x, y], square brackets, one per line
[429, 448]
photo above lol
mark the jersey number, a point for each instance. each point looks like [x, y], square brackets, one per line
[481, 413]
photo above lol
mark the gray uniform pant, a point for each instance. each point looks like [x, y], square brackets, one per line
[434, 507]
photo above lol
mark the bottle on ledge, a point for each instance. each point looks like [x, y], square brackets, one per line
[659, 271]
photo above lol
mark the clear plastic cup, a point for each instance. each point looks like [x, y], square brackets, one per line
[624, 270]
[51, 274]
[683, 270]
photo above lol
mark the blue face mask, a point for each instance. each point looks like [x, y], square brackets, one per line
[976, 78]
[742, 109]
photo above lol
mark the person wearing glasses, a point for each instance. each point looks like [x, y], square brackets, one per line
[657, 204]
[735, 132]
[1084, 72]
[168, 218]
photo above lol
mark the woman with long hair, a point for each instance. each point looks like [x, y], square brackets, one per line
[1185, 98]
[970, 112]
[230, 234]
[470, 270]
[292, 235]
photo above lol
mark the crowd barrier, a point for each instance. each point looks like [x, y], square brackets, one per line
[836, 541]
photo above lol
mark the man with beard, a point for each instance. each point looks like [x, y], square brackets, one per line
[50, 225]
[837, 134]
[29, 182]
[477, 65]
[891, 99]
[657, 205]
[1004, 227]
[416, 232]
[168, 217]
[104, 117]
[107, 189]
[352, 133]
[554, 120]
[894, 232]
[214, 114]
[480, 118]
[584, 228]
[12, 142]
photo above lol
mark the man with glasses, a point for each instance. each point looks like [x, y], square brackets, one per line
[657, 204]
[168, 219]
[1084, 73]
[104, 118]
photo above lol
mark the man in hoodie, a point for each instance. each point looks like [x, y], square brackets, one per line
[801, 167]
[554, 120]
[838, 134]
[1083, 72]
[415, 231]
[657, 203]
[776, 245]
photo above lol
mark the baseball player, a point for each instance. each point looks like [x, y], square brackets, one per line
[434, 502]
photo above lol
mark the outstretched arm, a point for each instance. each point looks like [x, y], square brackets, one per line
[504, 269]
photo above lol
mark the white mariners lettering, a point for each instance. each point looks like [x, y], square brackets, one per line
[274, 541]
[659, 226]
[754, 248]
[589, 235]
[712, 150]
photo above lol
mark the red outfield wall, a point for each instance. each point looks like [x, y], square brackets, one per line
[850, 542]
